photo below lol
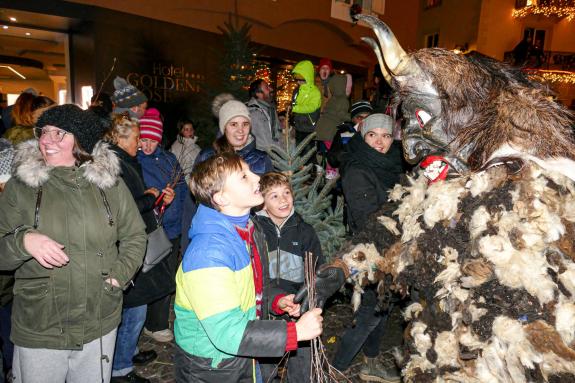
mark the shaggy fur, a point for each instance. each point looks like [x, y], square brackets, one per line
[30, 167]
[490, 250]
[485, 99]
[487, 272]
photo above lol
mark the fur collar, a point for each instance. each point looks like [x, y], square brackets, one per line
[30, 168]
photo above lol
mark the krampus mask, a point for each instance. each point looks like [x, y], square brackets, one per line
[463, 112]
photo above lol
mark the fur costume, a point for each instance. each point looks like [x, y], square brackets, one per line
[488, 246]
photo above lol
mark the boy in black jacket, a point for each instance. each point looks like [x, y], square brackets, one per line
[288, 239]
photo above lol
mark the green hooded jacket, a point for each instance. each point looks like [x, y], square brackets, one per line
[103, 235]
[309, 97]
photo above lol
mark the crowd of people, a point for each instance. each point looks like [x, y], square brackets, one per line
[84, 190]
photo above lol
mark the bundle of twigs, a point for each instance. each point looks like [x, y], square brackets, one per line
[321, 370]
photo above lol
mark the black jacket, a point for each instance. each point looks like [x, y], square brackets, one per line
[290, 242]
[339, 142]
[157, 282]
[367, 177]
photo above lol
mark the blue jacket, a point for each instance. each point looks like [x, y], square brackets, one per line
[158, 168]
[258, 161]
[216, 305]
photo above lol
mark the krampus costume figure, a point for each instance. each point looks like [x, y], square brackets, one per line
[486, 234]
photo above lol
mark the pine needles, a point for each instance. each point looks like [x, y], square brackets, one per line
[312, 197]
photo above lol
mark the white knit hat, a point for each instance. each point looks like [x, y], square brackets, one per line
[226, 107]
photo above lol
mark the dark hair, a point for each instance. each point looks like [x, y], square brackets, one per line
[222, 145]
[183, 122]
[102, 101]
[256, 87]
[41, 102]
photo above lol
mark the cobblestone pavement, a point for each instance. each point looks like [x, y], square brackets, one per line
[336, 319]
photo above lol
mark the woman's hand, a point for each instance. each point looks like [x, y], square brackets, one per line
[287, 305]
[45, 250]
[153, 191]
[169, 195]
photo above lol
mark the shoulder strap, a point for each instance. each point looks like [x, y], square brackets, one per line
[37, 209]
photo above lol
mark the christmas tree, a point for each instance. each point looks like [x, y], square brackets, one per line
[312, 197]
[236, 65]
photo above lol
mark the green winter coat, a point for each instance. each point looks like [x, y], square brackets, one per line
[336, 109]
[309, 97]
[67, 307]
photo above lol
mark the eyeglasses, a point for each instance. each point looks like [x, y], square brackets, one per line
[56, 135]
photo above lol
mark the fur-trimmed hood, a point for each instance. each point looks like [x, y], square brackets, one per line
[30, 168]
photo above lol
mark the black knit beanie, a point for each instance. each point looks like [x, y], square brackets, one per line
[83, 124]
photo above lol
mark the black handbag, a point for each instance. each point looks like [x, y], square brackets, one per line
[159, 247]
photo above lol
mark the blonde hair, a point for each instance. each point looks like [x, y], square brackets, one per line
[273, 179]
[208, 177]
[121, 127]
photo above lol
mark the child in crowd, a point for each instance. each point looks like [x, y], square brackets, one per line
[220, 291]
[185, 147]
[288, 239]
[306, 101]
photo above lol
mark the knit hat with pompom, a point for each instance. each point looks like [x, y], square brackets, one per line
[225, 107]
[126, 95]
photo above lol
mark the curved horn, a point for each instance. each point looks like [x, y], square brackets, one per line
[373, 44]
[398, 62]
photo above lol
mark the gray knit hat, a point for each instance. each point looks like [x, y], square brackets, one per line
[6, 157]
[377, 120]
[226, 107]
[126, 95]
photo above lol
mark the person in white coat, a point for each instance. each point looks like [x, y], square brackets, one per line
[185, 147]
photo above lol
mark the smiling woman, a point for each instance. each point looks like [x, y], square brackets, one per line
[72, 232]
[235, 125]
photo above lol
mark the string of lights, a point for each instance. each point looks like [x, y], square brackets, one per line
[263, 71]
[558, 8]
[554, 76]
[285, 87]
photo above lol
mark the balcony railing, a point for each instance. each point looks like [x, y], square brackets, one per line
[547, 60]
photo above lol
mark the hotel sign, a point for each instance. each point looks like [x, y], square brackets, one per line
[166, 81]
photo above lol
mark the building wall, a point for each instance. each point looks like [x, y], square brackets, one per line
[563, 36]
[455, 20]
[499, 31]
[298, 25]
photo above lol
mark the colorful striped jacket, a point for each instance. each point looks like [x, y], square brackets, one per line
[215, 298]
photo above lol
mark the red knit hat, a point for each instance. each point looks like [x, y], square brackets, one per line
[327, 62]
[151, 125]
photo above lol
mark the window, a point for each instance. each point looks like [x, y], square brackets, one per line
[340, 9]
[523, 3]
[432, 40]
[536, 37]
